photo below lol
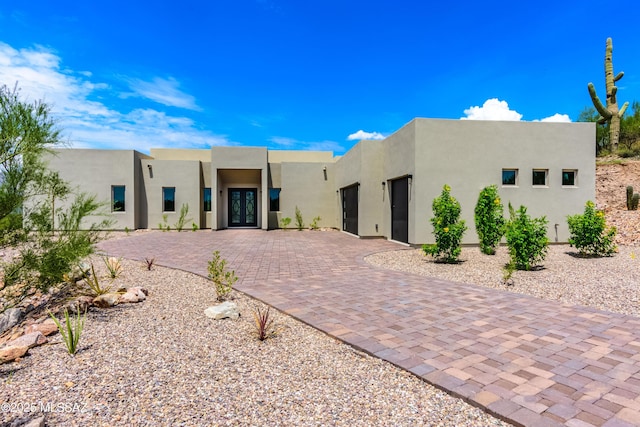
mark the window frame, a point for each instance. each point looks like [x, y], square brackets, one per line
[113, 199]
[276, 200]
[575, 178]
[206, 204]
[164, 199]
[546, 177]
[515, 179]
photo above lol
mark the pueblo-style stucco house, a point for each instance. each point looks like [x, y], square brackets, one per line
[381, 188]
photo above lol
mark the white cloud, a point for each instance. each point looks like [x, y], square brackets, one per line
[492, 109]
[557, 117]
[365, 135]
[162, 91]
[91, 124]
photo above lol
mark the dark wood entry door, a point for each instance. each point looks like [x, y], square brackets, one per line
[350, 209]
[400, 210]
[243, 207]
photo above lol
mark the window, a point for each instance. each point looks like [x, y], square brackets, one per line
[569, 177]
[540, 177]
[117, 198]
[274, 199]
[169, 199]
[510, 177]
[207, 199]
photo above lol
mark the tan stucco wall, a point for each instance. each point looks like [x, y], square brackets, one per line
[299, 156]
[184, 175]
[95, 171]
[312, 189]
[469, 155]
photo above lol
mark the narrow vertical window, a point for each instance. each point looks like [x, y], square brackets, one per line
[540, 177]
[569, 177]
[274, 199]
[510, 177]
[207, 199]
[117, 198]
[169, 199]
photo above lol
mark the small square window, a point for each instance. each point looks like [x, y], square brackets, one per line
[540, 177]
[117, 198]
[274, 199]
[168, 199]
[569, 177]
[510, 177]
[207, 199]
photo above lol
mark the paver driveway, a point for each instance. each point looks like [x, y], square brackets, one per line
[529, 361]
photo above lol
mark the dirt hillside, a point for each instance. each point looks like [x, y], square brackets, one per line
[611, 195]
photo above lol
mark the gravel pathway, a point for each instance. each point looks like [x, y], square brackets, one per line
[162, 363]
[609, 283]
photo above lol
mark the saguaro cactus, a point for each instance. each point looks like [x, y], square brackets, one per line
[609, 114]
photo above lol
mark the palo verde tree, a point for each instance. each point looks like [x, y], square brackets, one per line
[610, 114]
[28, 193]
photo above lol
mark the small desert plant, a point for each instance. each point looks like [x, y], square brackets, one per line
[127, 230]
[314, 223]
[589, 233]
[526, 238]
[632, 199]
[489, 219]
[507, 273]
[299, 220]
[164, 226]
[149, 262]
[93, 283]
[284, 222]
[264, 324]
[71, 330]
[114, 266]
[182, 219]
[447, 228]
[222, 280]
[194, 226]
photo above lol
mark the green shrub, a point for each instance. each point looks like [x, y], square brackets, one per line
[182, 219]
[447, 228]
[299, 221]
[314, 223]
[194, 226]
[222, 280]
[589, 232]
[489, 219]
[284, 222]
[71, 330]
[526, 238]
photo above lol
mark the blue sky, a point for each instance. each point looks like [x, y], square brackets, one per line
[306, 75]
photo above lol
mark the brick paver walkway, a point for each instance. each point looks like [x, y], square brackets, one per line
[529, 361]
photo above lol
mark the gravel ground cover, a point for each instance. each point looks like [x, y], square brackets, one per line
[609, 283]
[163, 363]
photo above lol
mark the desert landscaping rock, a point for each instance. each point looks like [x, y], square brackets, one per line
[29, 340]
[11, 353]
[106, 300]
[47, 327]
[225, 310]
[10, 318]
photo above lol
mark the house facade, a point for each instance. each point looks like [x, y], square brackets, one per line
[379, 188]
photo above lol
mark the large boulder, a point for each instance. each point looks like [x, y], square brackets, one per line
[223, 311]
